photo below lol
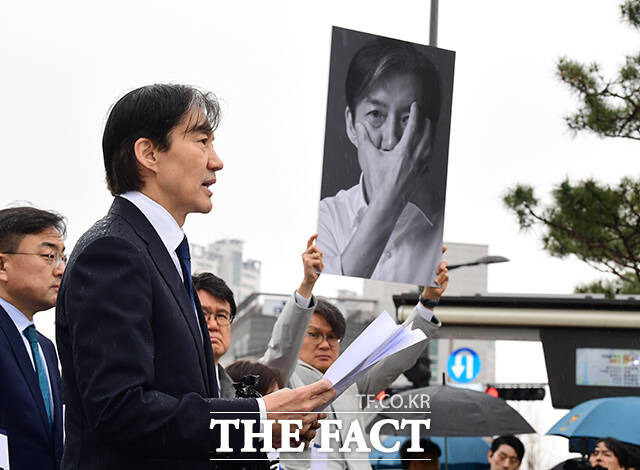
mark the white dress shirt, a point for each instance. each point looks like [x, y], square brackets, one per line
[164, 224]
[411, 255]
[22, 322]
[171, 235]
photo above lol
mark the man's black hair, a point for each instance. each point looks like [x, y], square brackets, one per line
[619, 449]
[634, 455]
[333, 316]
[430, 449]
[215, 286]
[152, 111]
[383, 57]
[16, 222]
[511, 441]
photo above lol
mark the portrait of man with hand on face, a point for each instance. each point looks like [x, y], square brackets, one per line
[387, 224]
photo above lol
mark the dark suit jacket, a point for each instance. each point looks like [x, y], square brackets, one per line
[32, 443]
[138, 375]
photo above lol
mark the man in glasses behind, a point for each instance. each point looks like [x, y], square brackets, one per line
[32, 261]
[219, 307]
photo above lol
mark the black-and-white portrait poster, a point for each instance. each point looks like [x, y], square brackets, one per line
[385, 158]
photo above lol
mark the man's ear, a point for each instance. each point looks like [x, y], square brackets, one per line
[351, 129]
[146, 153]
[4, 275]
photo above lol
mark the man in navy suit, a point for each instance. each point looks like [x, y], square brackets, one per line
[32, 261]
[138, 370]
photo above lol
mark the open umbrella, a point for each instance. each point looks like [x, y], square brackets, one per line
[579, 463]
[454, 412]
[616, 417]
[464, 452]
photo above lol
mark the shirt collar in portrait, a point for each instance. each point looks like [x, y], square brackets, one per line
[164, 224]
[17, 317]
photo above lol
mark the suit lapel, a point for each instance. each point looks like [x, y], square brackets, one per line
[208, 350]
[25, 364]
[167, 270]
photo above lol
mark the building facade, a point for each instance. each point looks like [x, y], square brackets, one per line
[224, 258]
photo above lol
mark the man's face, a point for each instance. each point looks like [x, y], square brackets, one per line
[30, 281]
[216, 311]
[319, 352]
[186, 170]
[504, 458]
[384, 112]
[602, 457]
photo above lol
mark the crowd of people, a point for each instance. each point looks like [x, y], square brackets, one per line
[507, 453]
[140, 340]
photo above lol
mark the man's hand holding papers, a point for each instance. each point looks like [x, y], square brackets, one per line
[287, 404]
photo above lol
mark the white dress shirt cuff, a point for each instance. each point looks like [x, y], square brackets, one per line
[263, 410]
[424, 312]
[302, 301]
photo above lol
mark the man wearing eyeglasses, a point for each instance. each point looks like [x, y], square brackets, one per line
[506, 453]
[32, 261]
[219, 308]
[313, 337]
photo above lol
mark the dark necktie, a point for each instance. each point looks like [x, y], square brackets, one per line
[185, 263]
[31, 335]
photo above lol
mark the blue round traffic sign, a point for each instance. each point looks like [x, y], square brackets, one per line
[463, 365]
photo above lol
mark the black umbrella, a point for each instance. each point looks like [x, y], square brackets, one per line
[453, 412]
[579, 463]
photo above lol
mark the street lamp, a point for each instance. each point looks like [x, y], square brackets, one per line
[479, 261]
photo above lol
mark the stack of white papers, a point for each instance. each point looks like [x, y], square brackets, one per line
[382, 338]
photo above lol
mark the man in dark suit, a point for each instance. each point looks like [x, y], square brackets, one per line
[32, 261]
[138, 370]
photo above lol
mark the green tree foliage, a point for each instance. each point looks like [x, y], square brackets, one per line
[597, 223]
[609, 107]
[609, 288]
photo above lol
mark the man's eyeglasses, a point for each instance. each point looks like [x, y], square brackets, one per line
[317, 338]
[222, 319]
[53, 259]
